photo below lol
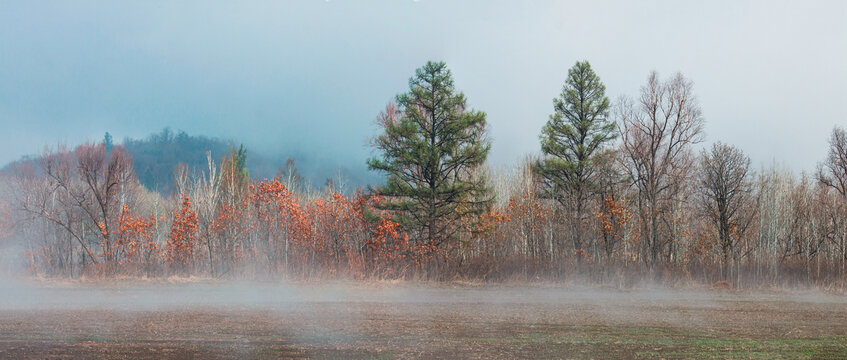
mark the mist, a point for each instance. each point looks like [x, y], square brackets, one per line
[273, 320]
[134, 224]
[180, 293]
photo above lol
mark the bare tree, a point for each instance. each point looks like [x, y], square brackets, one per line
[726, 195]
[206, 193]
[105, 176]
[832, 173]
[53, 197]
[613, 213]
[81, 192]
[182, 180]
[657, 134]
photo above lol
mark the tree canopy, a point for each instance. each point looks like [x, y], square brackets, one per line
[432, 149]
[578, 127]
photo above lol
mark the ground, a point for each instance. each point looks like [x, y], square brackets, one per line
[268, 321]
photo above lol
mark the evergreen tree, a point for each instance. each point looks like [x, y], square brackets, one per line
[578, 127]
[234, 174]
[107, 139]
[432, 150]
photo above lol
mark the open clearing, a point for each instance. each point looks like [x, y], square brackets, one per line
[257, 320]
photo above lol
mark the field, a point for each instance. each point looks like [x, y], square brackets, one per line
[265, 321]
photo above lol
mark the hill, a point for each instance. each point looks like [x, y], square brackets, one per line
[156, 156]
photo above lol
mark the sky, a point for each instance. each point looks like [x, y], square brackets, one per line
[311, 76]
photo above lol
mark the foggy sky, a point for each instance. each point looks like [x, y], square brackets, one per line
[312, 75]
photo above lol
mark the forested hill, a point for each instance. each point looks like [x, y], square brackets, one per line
[156, 156]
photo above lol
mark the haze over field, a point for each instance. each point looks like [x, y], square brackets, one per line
[271, 321]
[423, 179]
[310, 76]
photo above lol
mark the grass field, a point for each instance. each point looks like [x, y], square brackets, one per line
[266, 321]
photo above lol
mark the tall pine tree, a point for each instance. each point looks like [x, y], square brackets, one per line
[432, 149]
[578, 127]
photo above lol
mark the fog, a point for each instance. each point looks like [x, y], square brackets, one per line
[182, 293]
[196, 318]
[306, 79]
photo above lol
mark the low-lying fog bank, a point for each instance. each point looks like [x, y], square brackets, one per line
[34, 294]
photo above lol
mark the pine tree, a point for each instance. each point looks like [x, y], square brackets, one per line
[432, 150]
[234, 174]
[107, 139]
[578, 127]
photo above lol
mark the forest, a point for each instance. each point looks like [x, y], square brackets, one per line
[622, 192]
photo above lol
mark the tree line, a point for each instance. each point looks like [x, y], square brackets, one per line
[618, 194]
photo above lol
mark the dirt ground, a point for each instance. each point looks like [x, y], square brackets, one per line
[211, 321]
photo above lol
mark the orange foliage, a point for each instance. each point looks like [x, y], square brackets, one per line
[388, 246]
[134, 237]
[613, 217]
[181, 239]
[285, 224]
[529, 209]
[229, 226]
[524, 218]
[489, 221]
